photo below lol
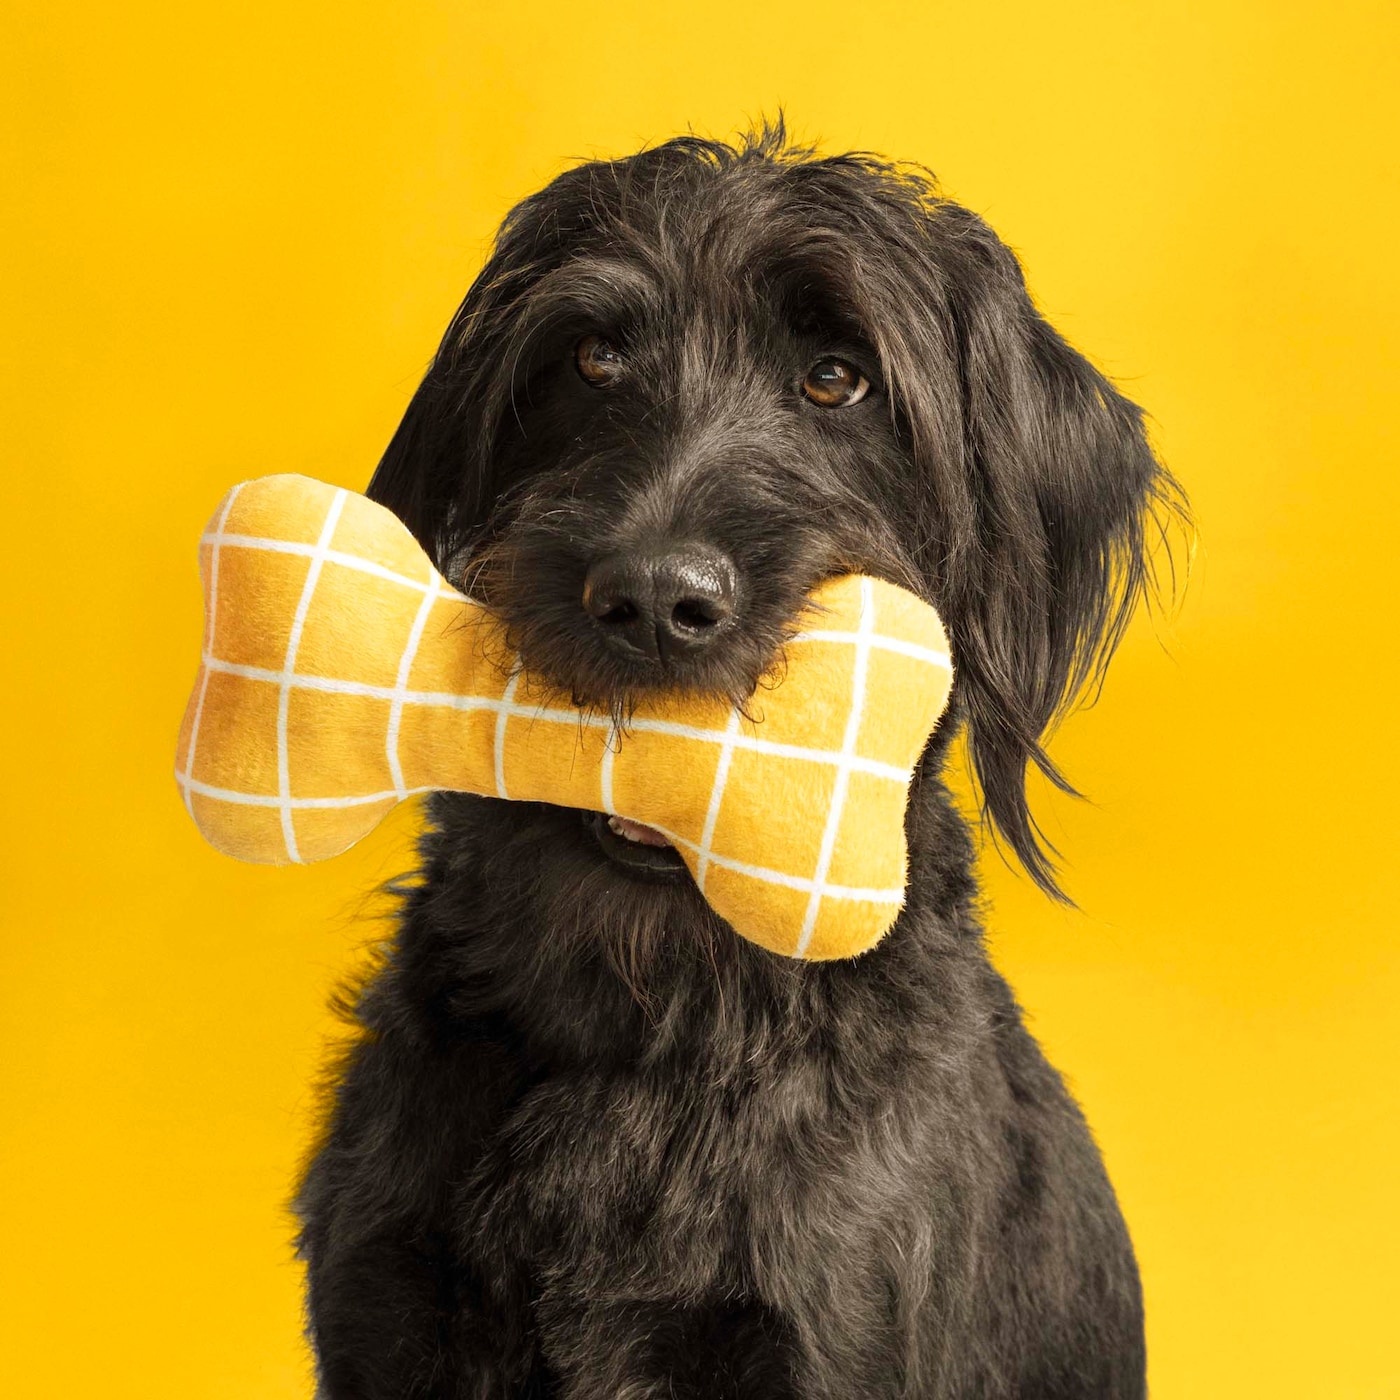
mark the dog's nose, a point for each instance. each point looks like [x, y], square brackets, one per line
[662, 604]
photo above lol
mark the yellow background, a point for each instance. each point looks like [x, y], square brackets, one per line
[231, 237]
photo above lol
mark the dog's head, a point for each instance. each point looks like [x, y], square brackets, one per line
[689, 385]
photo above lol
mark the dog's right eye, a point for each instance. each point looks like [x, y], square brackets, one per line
[834, 384]
[599, 361]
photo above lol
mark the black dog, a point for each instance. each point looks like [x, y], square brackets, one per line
[589, 1143]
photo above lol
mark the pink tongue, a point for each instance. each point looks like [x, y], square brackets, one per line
[635, 831]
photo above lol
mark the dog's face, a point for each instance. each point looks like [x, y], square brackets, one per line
[690, 385]
[694, 441]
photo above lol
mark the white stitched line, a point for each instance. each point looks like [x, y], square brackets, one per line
[255, 799]
[756, 872]
[895, 644]
[782, 877]
[707, 836]
[333, 556]
[545, 715]
[859, 667]
[218, 539]
[213, 608]
[753, 744]
[313, 573]
[605, 774]
[503, 713]
[415, 635]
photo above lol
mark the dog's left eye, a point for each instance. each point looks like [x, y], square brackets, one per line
[834, 384]
[599, 361]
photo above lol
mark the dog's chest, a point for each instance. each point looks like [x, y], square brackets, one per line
[653, 1183]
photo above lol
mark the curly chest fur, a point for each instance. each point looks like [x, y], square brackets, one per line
[861, 1168]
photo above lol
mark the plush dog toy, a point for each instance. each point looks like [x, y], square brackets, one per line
[342, 674]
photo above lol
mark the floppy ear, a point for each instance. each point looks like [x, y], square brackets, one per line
[435, 474]
[1062, 494]
[417, 474]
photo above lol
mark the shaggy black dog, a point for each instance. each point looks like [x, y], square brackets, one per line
[590, 1144]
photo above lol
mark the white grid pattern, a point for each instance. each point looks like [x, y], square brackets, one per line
[865, 627]
[261, 799]
[211, 622]
[729, 739]
[547, 714]
[707, 836]
[218, 538]
[802, 883]
[284, 689]
[415, 635]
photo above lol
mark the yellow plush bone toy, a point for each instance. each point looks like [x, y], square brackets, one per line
[342, 674]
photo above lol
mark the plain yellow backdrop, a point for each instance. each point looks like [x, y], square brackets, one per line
[231, 237]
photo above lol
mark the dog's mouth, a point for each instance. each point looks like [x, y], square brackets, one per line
[640, 851]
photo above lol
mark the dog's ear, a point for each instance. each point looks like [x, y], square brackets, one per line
[416, 476]
[1060, 494]
[435, 474]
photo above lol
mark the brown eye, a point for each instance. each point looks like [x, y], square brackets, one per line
[835, 384]
[598, 360]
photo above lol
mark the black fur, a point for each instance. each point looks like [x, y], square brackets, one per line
[589, 1143]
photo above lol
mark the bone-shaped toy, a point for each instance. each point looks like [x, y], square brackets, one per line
[342, 674]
